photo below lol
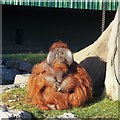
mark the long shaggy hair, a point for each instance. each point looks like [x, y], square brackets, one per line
[43, 90]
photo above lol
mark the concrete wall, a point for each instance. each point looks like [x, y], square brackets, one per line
[43, 26]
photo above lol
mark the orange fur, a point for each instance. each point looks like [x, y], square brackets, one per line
[58, 44]
[43, 93]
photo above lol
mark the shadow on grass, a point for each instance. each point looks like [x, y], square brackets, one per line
[94, 100]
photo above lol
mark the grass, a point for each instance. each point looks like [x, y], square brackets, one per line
[30, 57]
[97, 108]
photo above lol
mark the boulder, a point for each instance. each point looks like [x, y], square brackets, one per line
[24, 66]
[9, 68]
[9, 63]
[14, 114]
[0, 61]
[21, 79]
[1, 67]
[8, 75]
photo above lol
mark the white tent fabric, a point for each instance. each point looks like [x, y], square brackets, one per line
[106, 47]
[112, 81]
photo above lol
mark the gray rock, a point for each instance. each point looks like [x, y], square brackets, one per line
[1, 67]
[8, 75]
[21, 79]
[5, 88]
[19, 65]
[67, 115]
[13, 114]
[11, 64]
[0, 61]
[9, 68]
[25, 66]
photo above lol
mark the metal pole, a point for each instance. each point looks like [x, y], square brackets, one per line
[103, 16]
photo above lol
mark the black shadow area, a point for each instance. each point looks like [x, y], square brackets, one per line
[96, 69]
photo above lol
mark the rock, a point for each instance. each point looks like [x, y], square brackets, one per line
[9, 63]
[21, 79]
[2, 66]
[13, 114]
[68, 116]
[12, 100]
[8, 75]
[0, 61]
[25, 66]
[22, 66]
[4, 88]
[65, 116]
[9, 68]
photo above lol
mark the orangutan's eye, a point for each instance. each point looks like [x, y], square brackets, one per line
[62, 53]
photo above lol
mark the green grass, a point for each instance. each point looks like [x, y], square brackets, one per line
[97, 108]
[31, 58]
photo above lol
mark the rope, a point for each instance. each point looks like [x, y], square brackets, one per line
[115, 52]
[103, 16]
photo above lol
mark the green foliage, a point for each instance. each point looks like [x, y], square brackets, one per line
[31, 58]
[97, 108]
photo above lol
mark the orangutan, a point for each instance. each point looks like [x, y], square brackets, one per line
[59, 82]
